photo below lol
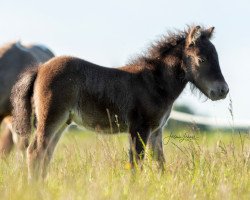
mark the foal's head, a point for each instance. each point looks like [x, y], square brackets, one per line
[201, 64]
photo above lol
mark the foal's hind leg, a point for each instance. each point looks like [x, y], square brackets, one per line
[50, 150]
[40, 151]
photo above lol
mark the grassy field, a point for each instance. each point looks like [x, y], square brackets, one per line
[90, 166]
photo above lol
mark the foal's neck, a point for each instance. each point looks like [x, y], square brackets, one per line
[169, 74]
[165, 75]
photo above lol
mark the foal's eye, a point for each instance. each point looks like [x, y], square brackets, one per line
[202, 60]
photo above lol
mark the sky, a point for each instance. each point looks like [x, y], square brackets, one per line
[111, 32]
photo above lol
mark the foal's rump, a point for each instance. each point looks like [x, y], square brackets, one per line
[55, 90]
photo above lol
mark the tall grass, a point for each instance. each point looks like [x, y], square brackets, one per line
[90, 166]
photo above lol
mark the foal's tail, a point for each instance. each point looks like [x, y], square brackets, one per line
[21, 100]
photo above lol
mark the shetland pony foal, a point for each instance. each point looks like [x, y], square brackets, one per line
[140, 95]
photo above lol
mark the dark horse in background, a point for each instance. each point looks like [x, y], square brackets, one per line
[140, 95]
[14, 58]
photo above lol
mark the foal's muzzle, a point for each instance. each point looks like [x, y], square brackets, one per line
[218, 91]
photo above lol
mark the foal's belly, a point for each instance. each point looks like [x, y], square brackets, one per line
[100, 122]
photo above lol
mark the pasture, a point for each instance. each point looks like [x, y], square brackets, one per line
[199, 165]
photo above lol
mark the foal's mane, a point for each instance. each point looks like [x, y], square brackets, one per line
[159, 48]
[166, 43]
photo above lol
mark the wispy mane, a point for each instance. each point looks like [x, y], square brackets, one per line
[166, 42]
[163, 45]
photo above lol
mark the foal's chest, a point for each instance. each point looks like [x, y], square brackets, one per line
[160, 120]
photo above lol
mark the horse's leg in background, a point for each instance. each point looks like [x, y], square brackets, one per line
[138, 141]
[6, 141]
[40, 151]
[21, 142]
[9, 138]
[155, 144]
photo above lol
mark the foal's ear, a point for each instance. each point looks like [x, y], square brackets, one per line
[193, 35]
[209, 32]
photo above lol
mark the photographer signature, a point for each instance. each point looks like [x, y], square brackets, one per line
[183, 137]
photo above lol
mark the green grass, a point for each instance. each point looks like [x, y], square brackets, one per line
[90, 166]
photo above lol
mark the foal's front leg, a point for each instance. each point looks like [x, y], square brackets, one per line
[155, 143]
[138, 141]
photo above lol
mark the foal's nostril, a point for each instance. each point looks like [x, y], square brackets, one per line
[224, 90]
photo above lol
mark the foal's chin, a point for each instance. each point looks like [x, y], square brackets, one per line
[217, 98]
